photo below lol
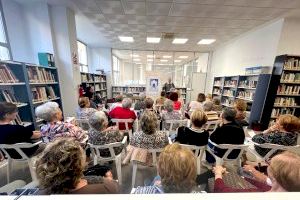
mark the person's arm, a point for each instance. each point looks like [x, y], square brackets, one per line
[256, 174]
[36, 135]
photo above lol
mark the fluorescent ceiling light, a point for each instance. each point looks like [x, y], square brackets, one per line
[180, 40]
[136, 59]
[153, 39]
[206, 41]
[183, 57]
[167, 56]
[150, 60]
[163, 60]
[126, 39]
[177, 61]
[150, 56]
[135, 55]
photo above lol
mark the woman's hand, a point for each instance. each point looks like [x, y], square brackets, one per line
[256, 174]
[219, 171]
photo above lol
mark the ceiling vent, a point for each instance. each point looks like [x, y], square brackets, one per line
[168, 36]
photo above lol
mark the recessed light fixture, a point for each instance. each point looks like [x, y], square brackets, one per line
[150, 56]
[136, 59]
[135, 55]
[162, 60]
[126, 39]
[180, 40]
[153, 39]
[206, 41]
[150, 60]
[177, 61]
[183, 57]
[167, 56]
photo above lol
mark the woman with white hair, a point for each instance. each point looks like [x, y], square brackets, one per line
[170, 114]
[100, 133]
[55, 127]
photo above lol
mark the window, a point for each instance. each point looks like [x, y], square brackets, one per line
[116, 70]
[82, 56]
[4, 45]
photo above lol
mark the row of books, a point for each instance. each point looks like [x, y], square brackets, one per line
[292, 63]
[228, 93]
[276, 112]
[246, 95]
[129, 89]
[217, 83]
[217, 91]
[43, 93]
[40, 75]
[6, 75]
[285, 101]
[248, 84]
[99, 87]
[291, 90]
[87, 78]
[228, 102]
[230, 83]
[99, 78]
[290, 77]
[8, 96]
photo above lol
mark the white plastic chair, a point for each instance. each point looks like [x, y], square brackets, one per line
[95, 149]
[170, 131]
[211, 125]
[18, 148]
[83, 123]
[135, 164]
[126, 122]
[229, 148]
[198, 152]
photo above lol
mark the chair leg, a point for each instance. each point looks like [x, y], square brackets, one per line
[32, 170]
[198, 165]
[95, 160]
[118, 167]
[134, 170]
[9, 165]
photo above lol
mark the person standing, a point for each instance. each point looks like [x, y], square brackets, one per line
[168, 86]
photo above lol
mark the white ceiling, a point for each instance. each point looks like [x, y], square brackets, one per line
[100, 22]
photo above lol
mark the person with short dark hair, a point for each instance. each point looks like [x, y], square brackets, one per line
[198, 104]
[174, 97]
[13, 133]
[228, 133]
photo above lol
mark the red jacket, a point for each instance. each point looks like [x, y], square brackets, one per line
[122, 113]
[176, 105]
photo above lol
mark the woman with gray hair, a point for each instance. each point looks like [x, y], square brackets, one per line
[55, 127]
[140, 104]
[100, 133]
[170, 114]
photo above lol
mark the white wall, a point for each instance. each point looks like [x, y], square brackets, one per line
[99, 58]
[255, 48]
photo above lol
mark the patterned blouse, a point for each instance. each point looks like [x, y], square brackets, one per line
[106, 137]
[275, 137]
[84, 113]
[63, 129]
[174, 115]
[145, 141]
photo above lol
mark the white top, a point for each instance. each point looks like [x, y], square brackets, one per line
[114, 105]
[195, 105]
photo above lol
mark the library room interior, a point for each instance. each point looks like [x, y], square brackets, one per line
[181, 98]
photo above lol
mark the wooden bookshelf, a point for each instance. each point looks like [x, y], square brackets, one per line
[133, 91]
[97, 81]
[183, 92]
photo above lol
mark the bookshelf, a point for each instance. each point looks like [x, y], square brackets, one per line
[28, 86]
[46, 59]
[125, 90]
[183, 92]
[97, 81]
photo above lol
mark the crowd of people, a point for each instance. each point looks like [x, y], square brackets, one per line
[62, 157]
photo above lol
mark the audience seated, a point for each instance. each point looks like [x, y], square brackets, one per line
[123, 112]
[118, 102]
[177, 170]
[217, 104]
[100, 133]
[228, 133]
[174, 97]
[55, 127]
[283, 132]
[207, 106]
[240, 106]
[89, 93]
[84, 110]
[148, 138]
[170, 114]
[179, 97]
[208, 97]
[198, 104]
[194, 135]
[149, 106]
[60, 171]
[140, 103]
[13, 133]
[161, 100]
[283, 176]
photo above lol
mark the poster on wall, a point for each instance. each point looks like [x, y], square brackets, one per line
[153, 86]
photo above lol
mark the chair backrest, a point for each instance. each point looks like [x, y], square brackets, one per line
[83, 123]
[18, 148]
[97, 148]
[211, 125]
[181, 122]
[125, 121]
[229, 148]
[155, 153]
[197, 150]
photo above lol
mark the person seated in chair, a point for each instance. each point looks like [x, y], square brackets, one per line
[240, 106]
[84, 110]
[228, 133]
[60, 171]
[14, 133]
[170, 114]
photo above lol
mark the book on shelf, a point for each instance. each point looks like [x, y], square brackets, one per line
[43, 93]
[276, 112]
[39, 75]
[246, 95]
[288, 90]
[285, 101]
[230, 83]
[290, 77]
[8, 96]
[228, 102]
[248, 84]
[227, 92]
[6, 75]
[291, 64]
[17, 121]
[217, 83]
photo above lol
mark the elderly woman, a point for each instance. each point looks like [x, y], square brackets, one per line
[198, 104]
[84, 110]
[123, 112]
[217, 104]
[148, 138]
[194, 135]
[283, 176]
[177, 170]
[283, 132]
[170, 114]
[118, 103]
[14, 133]
[60, 171]
[140, 103]
[100, 133]
[55, 127]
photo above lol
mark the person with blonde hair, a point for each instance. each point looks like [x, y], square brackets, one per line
[240, 106]
[283, 132]
[198, 104]
[60, 171]
[84, 110]
[194, 135]
[177, 172]
[283, 176]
